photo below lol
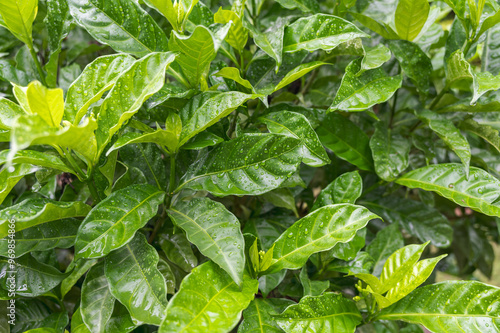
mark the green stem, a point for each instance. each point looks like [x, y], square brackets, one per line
[81, 175]
[38, 66]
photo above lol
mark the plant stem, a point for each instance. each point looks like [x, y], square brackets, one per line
[38, 66]
[232, 127]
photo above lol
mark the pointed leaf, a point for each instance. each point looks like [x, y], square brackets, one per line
[319, 231]
[77, 269]
[488, 133]
[346, 140]
[296, 125]
[320, 31]
[312, 287]
[160, 137]
[271, 41]
[484, 82]
[9, 177]
[108, 22]
[327, 313]
[208, 300]
[9, 111]
[136, 282]
[249, 164]
[259, 316]
[18, 17]
[98, 77]
[386, 242]
[346, 188]
[410, 17]
[113, 222]
[178, 250]
[237, 36]
[215, 231]
[374, 58]
[358, 93]
[298, 72]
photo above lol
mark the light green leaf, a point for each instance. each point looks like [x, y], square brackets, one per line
[358, 93]
[215, 231]
[306, 6]
[237, 36]
[136, 282]
[259, 316]
[320, 31]
[384, 30]
[445, 129]
[77, 324]
[390, 152]
[77, 269]
[486, 132]
[47, 103]
[449, 307]
[298, 72]
[296, 125]
[34, 212]
[141, 80]
[113, 222]
[327, 313]
[479, 191]
[386, 242]
[109, 22]
[346, 188]
[240, 167]
[160, 136]
[411, 16]
[166, 272]
[36, 158]
[414, 63]
[18, 16]
[97, 301]
[9, 111]
[346, 140]
[206, 109]
[32, 278]
[208, 300]
[374, 58]
[178, 249]
[98, 77]
[319, 231]
[166, 8]
[489, 23]
[233, 73]
[10, 176]
[484, 82]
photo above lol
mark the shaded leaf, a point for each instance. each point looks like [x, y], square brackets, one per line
[346, 188]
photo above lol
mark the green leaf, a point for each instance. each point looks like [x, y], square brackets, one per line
[489, 23]
[109, 22]
[374, 58]
[30, 277]
[484, 82]
[34, 212]
[390, 152]
[9, 111]
[486, 132]
[113, 222]
[166, 8]
[319, 231]
[260, 314]
[136, 282]
[489, 59]
[77, 324]
[237, 36]
[78, 269]
[445, 129]
[178, 249]
[420, 220]
[312, 287]
[414, 62]
[346, 140]
[296, 125]
[458, 71]
[196, 52]
[169, 276]
[449, 306]
[327, 313]
[298, 72]
[206, 109]
[306, 6]
[18, 16]
[215, 231]
[208, 300]
[60, 234]
[141, 80]
[358, 93]
[271, 41]
[240, 167]
[160, 136]
[384, 30]
[387, 241]
[10, 176]
[36, 158]
[233, 73]
[98, 77]
[411, 16]
[346, 188]
[47, 103]
[319, 31]
[147, 159]
[479, 191]
[97, 301]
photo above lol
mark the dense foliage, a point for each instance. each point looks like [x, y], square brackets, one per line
[249, 166]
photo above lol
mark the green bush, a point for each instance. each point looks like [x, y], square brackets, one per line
[249, 166]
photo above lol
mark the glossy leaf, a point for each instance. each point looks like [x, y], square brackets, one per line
[98, 77]
[9, 111]
[458, 71]
[259, 316]
[18, 17]
[107, 21]
[319, 231]
[484, 82]
[479, 191]
[306, 6]
[113, 222]
[486, 132]
[48, 103]
[329, 312]
[387, 241]
[296, 125]
[10, 176]
[346, 188]
[36, 158]
[298, 72]
[237, 35]
[468, 306]
[215, 231]
[358, 93]
[178, 250]
[390, 152]
[77, 269]
[346, 140]
[249, 164]
[271, 40]
[410, 17]
[374, 58]
[320, 31]
[218, 310]
[136, 282]
[134, 86]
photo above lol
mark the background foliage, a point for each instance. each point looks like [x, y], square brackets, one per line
[249, 166]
